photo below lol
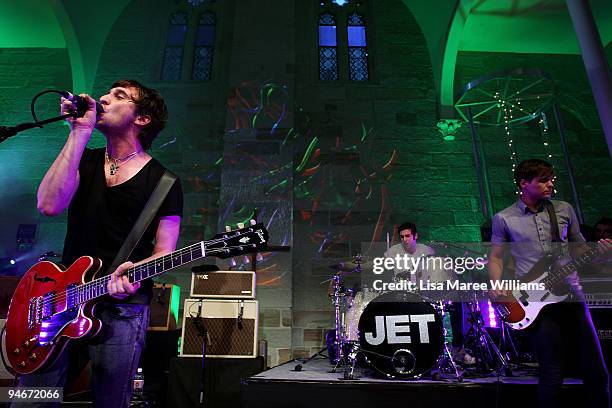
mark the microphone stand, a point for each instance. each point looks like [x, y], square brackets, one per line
[202, 332]
[8, 131]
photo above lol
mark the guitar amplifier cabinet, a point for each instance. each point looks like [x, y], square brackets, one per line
[231, 326]
[164, 307]
[223, 284]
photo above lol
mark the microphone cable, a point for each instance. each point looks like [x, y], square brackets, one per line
[38, 95]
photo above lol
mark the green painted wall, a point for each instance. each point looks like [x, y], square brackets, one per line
[25, 157]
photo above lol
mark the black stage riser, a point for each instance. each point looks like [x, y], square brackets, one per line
[278, 394]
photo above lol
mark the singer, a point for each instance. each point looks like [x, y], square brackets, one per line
[105, 190]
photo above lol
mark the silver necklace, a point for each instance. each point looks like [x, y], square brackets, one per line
[116, 162]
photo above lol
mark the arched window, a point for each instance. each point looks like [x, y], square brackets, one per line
[357, 48]
[175, 44]
[328, 48]
[204, 47]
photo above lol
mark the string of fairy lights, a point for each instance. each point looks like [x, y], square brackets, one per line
[507, 109]
[506, 106]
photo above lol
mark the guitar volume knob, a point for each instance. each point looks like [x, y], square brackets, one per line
[16, 351]
[33, 356]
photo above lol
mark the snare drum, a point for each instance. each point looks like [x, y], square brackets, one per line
[400, 334]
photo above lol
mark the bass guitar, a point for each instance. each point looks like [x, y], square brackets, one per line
[52, 307]
[545, 286]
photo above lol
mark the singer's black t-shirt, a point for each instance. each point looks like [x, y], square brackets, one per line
[101, 217]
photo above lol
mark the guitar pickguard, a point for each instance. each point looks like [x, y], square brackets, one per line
[50, 328]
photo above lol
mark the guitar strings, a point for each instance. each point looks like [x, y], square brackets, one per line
[84, 288]
[553, 280]
[104, 279]
[140, 268]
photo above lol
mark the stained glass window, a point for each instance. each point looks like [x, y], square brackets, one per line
[328, 48]
[204, 47]
[175, 44]
[357, 48]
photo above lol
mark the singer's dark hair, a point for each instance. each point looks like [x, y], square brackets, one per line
[149, 102]
[408, 226]
[528, 169]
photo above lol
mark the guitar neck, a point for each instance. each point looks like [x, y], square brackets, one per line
[229, 243]
[558, 275]
[99, 287]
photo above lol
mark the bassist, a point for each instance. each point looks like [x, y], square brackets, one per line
[527, 225]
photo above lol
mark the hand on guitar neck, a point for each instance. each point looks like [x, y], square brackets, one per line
[604, 246]
[119, 285]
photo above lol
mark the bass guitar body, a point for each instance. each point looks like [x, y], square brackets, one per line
[521, 309]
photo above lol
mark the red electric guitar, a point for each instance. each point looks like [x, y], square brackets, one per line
[52, 307]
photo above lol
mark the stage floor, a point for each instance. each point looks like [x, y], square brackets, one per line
[316, 386]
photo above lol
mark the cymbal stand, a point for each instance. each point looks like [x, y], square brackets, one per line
[346, 351]
[506, 343]
[445, 361]
[484, 348]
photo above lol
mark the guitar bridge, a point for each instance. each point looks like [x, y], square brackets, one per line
[35, 311]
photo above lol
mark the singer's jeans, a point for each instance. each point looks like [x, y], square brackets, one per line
[114, 356]
[564, 329]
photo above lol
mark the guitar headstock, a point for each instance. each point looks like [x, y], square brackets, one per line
[245, 240]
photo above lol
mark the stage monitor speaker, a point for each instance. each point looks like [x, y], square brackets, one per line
[231, 327]
[223, 284]
[164, 307]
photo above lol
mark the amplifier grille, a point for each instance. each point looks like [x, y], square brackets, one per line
[226, 336]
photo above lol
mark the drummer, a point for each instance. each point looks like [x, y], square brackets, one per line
[409, 246]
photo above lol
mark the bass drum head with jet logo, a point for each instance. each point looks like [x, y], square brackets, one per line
[401, 335]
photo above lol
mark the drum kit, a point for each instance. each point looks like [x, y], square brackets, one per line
[398, 334]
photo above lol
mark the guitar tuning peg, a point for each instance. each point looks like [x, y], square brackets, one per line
[259, 257]
[240, 225]
[232, 263]
[253, 222]
[247, 259]
[228, 228]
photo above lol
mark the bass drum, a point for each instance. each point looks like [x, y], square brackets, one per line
[401, 335]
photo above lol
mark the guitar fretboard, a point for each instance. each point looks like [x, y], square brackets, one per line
[558, 275]
[99, 287]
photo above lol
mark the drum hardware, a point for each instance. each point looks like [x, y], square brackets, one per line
[445, 361]
[488, 355]
[343, 353]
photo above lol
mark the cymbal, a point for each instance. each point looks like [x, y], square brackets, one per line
[346, 267]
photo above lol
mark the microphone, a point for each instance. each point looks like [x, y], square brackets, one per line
[81, 104]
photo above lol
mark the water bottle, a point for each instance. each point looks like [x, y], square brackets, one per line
[138, 383]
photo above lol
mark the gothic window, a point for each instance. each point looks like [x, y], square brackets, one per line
[175, 44]
[204, 47]
[357, 48]
[328, 48]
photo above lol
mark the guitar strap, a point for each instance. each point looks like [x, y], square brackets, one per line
[554, 225]
[144, 219]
